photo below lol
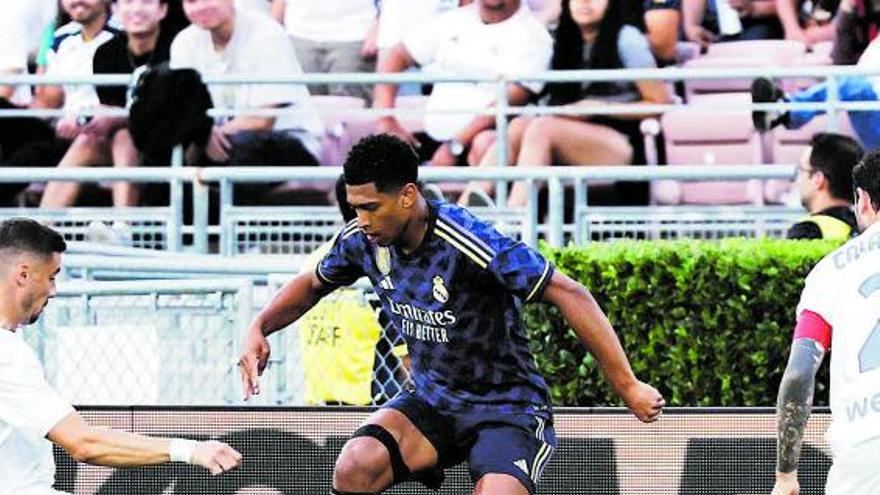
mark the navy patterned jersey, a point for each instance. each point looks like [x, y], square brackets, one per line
[457, 301]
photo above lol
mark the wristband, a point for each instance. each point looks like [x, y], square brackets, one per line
[181, 449]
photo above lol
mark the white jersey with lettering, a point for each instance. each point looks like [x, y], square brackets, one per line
[844, 289]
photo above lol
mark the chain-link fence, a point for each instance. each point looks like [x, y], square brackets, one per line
[693, 222]
[177, 342]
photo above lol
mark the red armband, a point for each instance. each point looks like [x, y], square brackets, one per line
[812, 326]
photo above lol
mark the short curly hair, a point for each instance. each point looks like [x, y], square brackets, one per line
[385, 160]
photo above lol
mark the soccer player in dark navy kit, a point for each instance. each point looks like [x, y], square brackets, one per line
[454, 288]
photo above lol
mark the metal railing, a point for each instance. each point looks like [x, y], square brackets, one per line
[556, 179]
[233, 223]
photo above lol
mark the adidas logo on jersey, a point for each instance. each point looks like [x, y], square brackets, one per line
[386, 283]
[522, 464]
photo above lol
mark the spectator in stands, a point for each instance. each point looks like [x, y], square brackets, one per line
[825, 184]
[349, 348]
[662, 19]
[21, 27]
[70, 56]
[858, 22]
[332, 36]
[852, 88]
[226, 41]
[708, 21]
[488, 37]
[397, 17]
[806, 20]
[591, 35]
[105, 139]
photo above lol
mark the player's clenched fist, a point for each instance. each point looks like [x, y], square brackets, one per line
[215, 456]
[786, 484]
[644, 401]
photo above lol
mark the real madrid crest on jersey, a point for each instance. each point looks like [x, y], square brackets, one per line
[440, 292]
[383, 263]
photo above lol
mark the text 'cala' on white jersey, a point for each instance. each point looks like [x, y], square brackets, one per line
[844, 289]
[29, 409]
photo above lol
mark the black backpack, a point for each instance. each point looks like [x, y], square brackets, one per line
[169, 107]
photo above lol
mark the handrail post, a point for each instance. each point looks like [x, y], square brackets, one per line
[200, 215]
[226, 231]
[833, 101]
[555, 211]
[501, 108]
[175, 227]
[580, 204]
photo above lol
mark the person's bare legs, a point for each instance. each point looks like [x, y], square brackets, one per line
[124, 155]
[570, 142]
[85, 150]
[481, 144]
[364, 465]
[490, 156]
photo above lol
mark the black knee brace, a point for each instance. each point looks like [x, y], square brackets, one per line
[398, 467]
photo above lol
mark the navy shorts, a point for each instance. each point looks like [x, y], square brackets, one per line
[516, 444]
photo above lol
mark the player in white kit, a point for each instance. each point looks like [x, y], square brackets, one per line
[840, 310]
[32, 414]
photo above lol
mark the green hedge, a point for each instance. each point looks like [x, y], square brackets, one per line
[709, 323]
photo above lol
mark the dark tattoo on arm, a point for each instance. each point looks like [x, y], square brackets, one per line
[795, 401]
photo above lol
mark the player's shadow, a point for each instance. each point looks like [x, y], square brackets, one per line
[275, 460]
[729, 466]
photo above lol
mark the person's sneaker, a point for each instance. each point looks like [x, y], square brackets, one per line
[124, 234]
[432, 192]
[764, 91]
[119, 234]
[478, 198]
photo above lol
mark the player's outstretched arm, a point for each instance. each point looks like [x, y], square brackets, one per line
[793, 407]
[594, 331]
[106, 447]
[290, 303]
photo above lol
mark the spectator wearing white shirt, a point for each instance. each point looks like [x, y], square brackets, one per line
[32, 413]
[21, 27]
[226, 41]
[32, 142]
[331, 37]
[71, 56]
[489, 38]
[105, 139]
